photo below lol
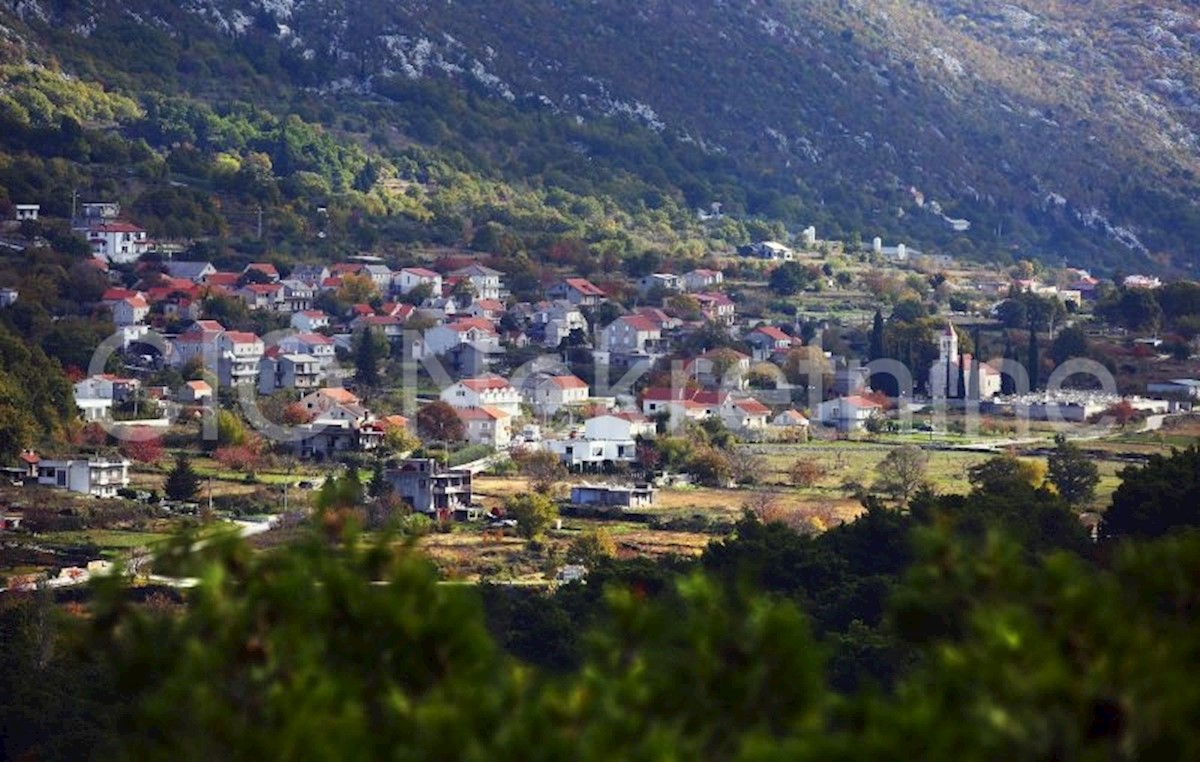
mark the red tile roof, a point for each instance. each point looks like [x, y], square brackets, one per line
[241, 337]
[773, 333]
[568, 382]
[420, 272]
[860, 401]
[486, 383]
[465, 324]
[585, 287]
[640, 323]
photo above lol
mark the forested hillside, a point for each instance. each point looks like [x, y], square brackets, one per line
[1059, 130]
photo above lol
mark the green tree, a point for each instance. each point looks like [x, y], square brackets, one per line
[710, 467]
[182, 480]
[1034, 361]
[366, 359]
[542, 468]
[1072, 473]
[1070, 343]
[878, 351]
[534, 513]
[788, 279]
[592, 547]
[1002, 474]
[1157, 498]
[901, 473]
[231, 432]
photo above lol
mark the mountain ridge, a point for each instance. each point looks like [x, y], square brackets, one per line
[860, 115]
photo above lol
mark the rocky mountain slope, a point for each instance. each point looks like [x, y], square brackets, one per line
[1056, 128]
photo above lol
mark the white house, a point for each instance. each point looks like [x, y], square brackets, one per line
[320, 348]
[196, 272]
[478, 332]
[717, 307]
[238, 358]
[8, 297]
[631, 334]
[744, 414]
[556, 321]
[195, 393]
[548, 394]
[98, 477]
[282, 370]
[848, 413]
[790, 418]
[96, 395]
[681, 403]
[722, 366]
[702, 279]
[578, 291]
[486, 425]
[27, 211]
[307, 321]
[261, 296]
[117, 242]
[767, 341]
[318, 402]
[665, 281]
[200, 340]
[581, 453]
[618, 426]
[414, 277]
[132, 310]
[488, 391]
[484, 280]
[772, 250]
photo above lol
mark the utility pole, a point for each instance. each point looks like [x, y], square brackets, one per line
[260, 214]
[74, 198]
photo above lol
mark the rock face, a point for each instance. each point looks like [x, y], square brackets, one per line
[867, 107]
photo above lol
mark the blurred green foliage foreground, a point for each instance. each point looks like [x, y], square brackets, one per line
[336, 648]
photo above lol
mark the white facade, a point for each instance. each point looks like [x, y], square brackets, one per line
[97, 477]
[702, 280]
[307, 321]
[484, 280]
[486, 425]
[484, 392]
[240, 354]
[320, 348]
[549, 394]
[130, 311]
[618, 426]
[289, 371]
[631, 334]
[847, 413]
[413, 277]
[579, 453]
[118, 242]
[441, 339]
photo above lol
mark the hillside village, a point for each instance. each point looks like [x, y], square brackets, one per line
[646, 388]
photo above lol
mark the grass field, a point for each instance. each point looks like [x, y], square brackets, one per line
[106, 539]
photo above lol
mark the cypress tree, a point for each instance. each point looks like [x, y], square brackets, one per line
[877, 351]
[1008, 385]
[1034, 359]
[961, 391]
[182, 482]
[973, 391]
[366, 361]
